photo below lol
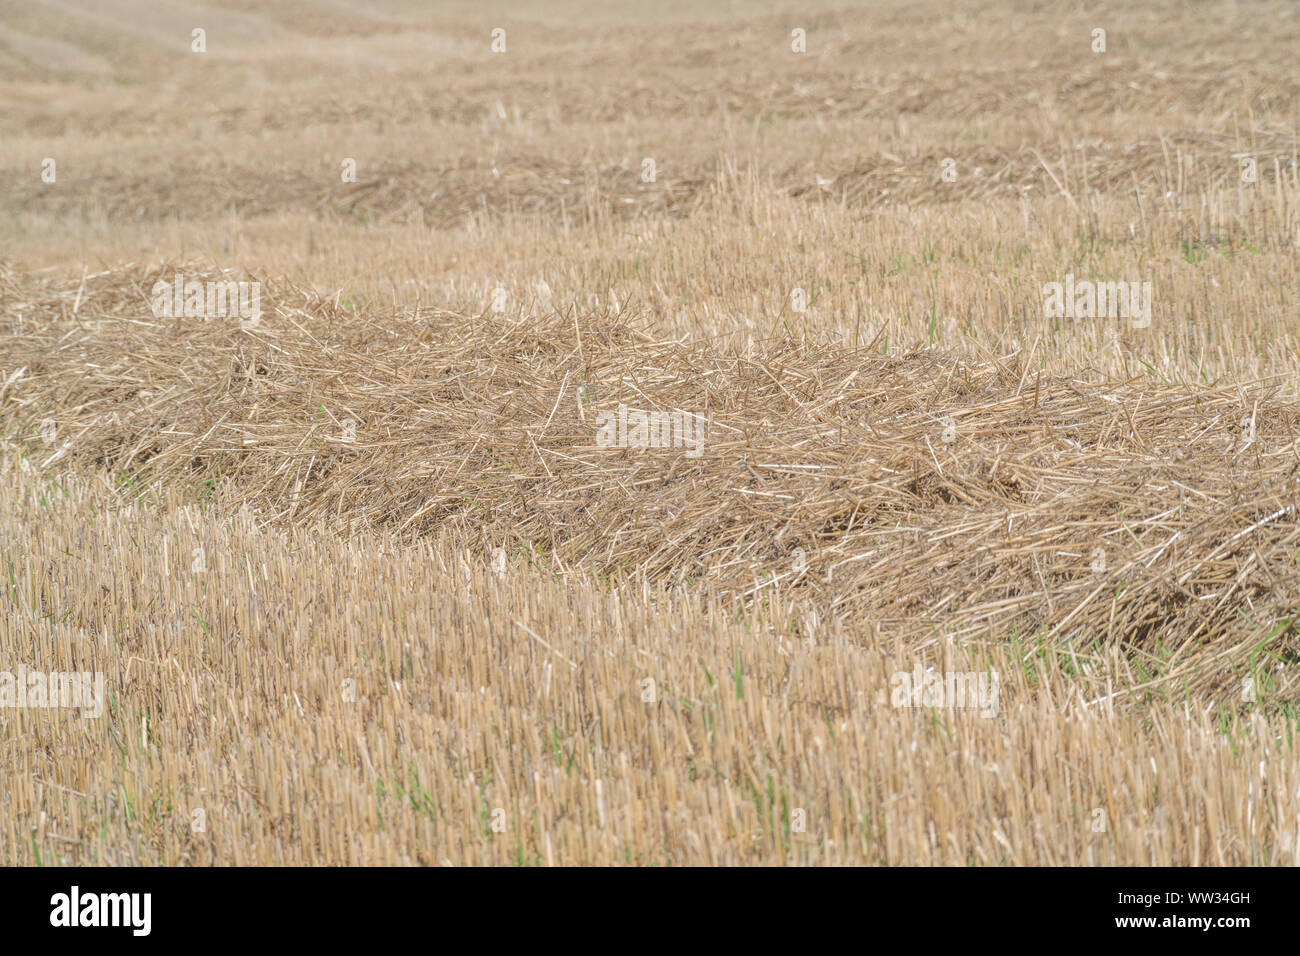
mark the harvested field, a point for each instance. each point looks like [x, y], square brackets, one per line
[543, 513]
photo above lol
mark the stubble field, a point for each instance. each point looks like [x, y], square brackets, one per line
[379, 575]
